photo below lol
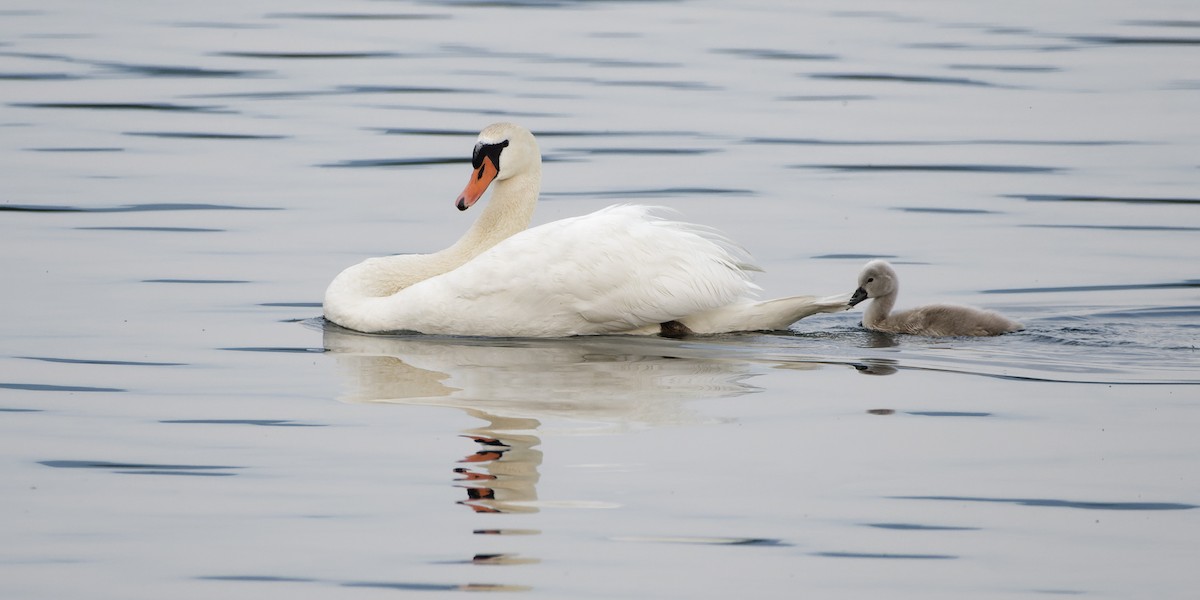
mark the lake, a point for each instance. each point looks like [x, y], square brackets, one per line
[181, 182]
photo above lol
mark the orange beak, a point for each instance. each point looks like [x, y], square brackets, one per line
[481, 178]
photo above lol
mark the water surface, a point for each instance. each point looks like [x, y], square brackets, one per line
[181, 182]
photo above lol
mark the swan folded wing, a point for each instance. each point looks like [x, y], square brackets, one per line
[665, 271]
[951, 320]
[615, 270]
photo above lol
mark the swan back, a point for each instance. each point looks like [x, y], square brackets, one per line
[619, 269]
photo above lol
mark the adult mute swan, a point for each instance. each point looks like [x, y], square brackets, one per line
[620, 270]
[878, 281]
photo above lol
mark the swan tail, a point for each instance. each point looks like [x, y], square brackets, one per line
[768, 315]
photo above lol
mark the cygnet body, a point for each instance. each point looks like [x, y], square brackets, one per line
[878, 282]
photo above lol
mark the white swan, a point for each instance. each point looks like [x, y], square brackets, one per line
[620, 270]
[878, 281]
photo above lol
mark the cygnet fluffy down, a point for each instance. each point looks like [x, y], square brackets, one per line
[878, 282]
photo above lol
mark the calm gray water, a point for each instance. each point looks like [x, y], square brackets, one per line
[181, 181]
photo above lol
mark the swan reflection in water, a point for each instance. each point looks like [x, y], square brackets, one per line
[610, 382]
[517, 385]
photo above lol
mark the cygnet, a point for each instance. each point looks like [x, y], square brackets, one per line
[878, 282]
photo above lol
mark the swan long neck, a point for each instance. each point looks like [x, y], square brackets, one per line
[508, 212]
[879, 309]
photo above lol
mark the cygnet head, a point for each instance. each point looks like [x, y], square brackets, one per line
[515, 144]
[876, 279]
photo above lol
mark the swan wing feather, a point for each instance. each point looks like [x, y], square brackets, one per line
[618, 269]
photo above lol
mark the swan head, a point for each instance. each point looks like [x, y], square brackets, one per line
[514, 144]
[876, 279]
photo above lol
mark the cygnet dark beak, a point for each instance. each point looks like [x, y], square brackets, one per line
[858, 296]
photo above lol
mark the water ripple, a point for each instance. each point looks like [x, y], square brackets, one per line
[255, 422]
[769, 54]
[1191, 283]
[360, 16]
[1119, 227]
[946, 168]
[93, 361]
[123, 106]
[43, 387]
[1121, 40]
[885, 555]
[1120, 199]
[395, 162]
[889, 78]
[660, 192]
[307, 55]
[52, 208]
[204, 135]
[142, 468]
[981, 142]
[1054, 503]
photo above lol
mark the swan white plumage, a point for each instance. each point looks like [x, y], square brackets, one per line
[621, 270]
[878, 281]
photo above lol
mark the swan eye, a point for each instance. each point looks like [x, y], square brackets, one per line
[870, 279]
[491, 151]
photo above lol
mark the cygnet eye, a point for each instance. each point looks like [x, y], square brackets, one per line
[870, 279]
